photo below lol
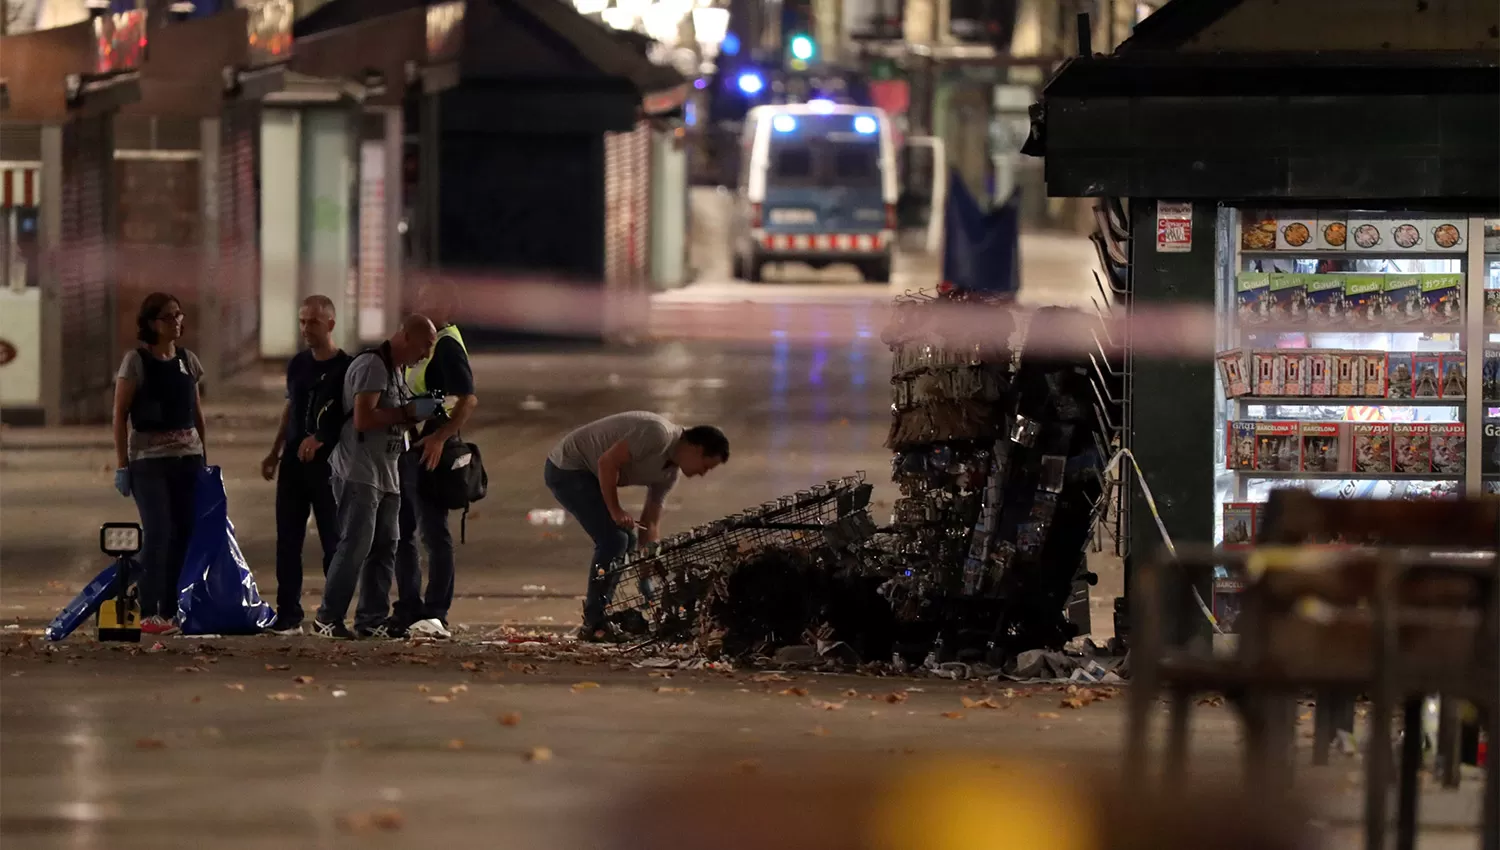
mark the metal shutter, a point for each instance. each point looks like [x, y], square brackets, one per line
[627, 220]
[238, 273]
[86, 292]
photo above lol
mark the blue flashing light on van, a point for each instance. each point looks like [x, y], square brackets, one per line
[817, 185]
[751, 83]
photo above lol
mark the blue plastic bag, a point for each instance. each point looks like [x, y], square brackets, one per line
[83, 605]
[981, 250]
[218, 593]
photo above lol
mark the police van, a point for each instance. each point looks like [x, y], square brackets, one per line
[817, 185]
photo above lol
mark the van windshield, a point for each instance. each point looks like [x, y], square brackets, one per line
[827, 163]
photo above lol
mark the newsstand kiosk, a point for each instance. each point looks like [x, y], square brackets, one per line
[1338, 214]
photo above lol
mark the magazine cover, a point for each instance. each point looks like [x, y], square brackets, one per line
[1239, 524]
[1277, 447]
[1364, 296]
[1426, 375]
[1491, 375]
[1447, 440]
[1372, 447]
[1492, 308]
[1294, 379]
[1411, 448]
[1443, 299]
[1233, 371]
[1398, 374]
[1373, 374]
[1240, 453]
[1455, 375]
[1489, 443]
[1318, 372]
[1253, 292]
[1288, 299]
[1325, 300]
[1403, 299]
[1322, 447]
[1269, 380]
[1227, 596]
[1347, 382]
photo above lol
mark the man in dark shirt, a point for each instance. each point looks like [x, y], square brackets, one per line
[447, 372]
[303, 462]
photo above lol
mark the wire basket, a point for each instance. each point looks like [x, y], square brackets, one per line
[656, 590]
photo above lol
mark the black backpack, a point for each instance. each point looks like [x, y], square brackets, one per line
[325, 404]
[458, 481]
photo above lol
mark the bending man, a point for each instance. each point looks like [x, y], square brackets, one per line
[587, 468]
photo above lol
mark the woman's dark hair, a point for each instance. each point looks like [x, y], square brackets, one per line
[151, 311]
[710, 439]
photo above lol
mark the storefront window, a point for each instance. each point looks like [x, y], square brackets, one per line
[18, 247]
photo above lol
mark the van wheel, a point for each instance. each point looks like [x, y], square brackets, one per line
[877, 271]
[754, 270]
[737, 267]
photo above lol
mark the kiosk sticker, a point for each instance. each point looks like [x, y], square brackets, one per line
[1174, 228]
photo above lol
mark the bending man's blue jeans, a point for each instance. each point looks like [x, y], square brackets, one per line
[578, 492]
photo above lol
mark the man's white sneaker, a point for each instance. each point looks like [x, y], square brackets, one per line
[431, 627]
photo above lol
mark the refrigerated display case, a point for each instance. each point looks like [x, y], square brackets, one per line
[1346, 341]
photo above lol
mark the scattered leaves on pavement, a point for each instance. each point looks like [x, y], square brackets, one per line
[150, 744]
[458, 689]
[283, 697]
[537, 754]
[510, 718]
[953, 715]
[236, 686]
[818, 731]
[383, 820]
[828, 706]
[987, 702]
[851, 693]
[454, 744]
[271, 668]
[770, 677]
[422, 689]
[191, 669]
[469, 666]
[584, 686]
[894, 697]
[794, 692]
[303, 680]
[1047, 715]
[664, 690]
[440, 699]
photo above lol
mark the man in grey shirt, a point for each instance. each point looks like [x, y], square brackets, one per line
[587, 468]
[366, 485]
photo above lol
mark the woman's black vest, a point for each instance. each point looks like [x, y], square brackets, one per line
[168, 397]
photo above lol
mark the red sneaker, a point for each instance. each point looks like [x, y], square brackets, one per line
[158, 626]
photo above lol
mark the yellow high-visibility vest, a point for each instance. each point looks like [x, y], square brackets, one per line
[416, 376]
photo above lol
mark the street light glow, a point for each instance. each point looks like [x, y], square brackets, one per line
[751, 83]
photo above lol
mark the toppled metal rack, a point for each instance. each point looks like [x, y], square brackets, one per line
[656, 591]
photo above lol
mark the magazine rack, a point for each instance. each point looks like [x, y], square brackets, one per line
[1389, 622]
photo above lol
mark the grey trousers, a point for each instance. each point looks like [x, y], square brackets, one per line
[369, 527]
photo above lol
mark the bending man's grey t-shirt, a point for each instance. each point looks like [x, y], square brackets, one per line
[651, 439]
[371, 460]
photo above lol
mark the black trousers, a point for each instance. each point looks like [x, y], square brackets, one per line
[301, 487]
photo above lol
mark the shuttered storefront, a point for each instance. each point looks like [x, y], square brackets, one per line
[627, 220]
[86, 292]
[157, 185]
[238, 273]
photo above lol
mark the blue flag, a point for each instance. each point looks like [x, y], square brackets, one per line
[981, 250]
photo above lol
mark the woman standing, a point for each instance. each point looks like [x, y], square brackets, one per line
[159, 451]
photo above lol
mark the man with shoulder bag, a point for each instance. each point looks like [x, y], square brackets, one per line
[441, 472]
